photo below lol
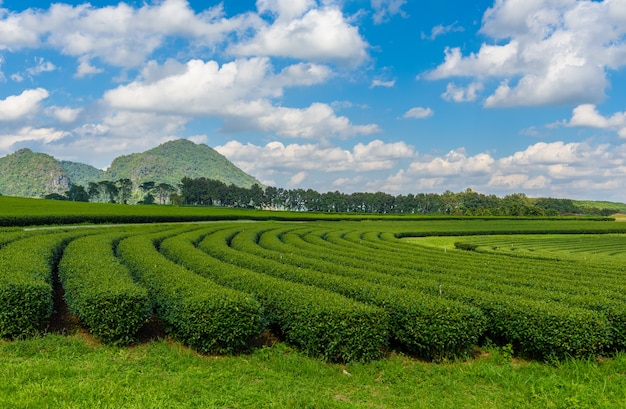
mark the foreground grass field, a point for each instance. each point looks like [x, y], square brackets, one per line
[556, 277]
[59, 371]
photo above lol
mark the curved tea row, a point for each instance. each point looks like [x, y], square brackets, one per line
[338, 293]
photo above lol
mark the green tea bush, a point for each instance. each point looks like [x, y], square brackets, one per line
[319, 322]
[196, 311]
[100, 290]
[521, 315]
[424, 325]
[26, 283]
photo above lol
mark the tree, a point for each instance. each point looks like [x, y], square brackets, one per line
[163, 191]
[125, 187]
[77, 193]
[93, 190]
[110, 190]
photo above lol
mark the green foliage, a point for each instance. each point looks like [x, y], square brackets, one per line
[424, 325]
[170, 162]
[465, 246]
[198, 312]
[100, 291]
[28, 174]
[82, 174]
[26, 283]
[317, 321]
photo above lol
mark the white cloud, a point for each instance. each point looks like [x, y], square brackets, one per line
[117, 134]
[239, 92]
[455, 162]
[86, 69]
[2, 76]
[385, 9]
[30, 134]
[318, 35]
[276, 157]
[572, 170]
[297, 179]
[460, 94]
[587, 115]
[119, 35]
[64, 114]
[544, 52]
[41, 66]
[419, 113]
[384, 84]
[16, 107]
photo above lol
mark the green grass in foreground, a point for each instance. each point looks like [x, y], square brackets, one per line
[57, 371]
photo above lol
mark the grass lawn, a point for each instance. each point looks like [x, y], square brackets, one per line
[61, 371]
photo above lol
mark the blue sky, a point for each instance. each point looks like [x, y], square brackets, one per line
[400, 96]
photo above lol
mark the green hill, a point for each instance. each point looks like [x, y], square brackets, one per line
[81, 174]
[620, 207]
[30, 174]
[171, 161]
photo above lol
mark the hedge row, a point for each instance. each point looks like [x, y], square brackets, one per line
[534, 327]
[100, 290]
[537, 328]
[196, 311]
[424, 325]
[319, 322]
[26, 283]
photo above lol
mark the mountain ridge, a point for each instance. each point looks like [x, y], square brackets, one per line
[34, 174]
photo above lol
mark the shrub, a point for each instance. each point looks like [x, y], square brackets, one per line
[196, 311]
[319, 322]
[100, 291]
[26, 283]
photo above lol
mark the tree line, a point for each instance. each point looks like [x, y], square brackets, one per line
[120, 191]
[211, 192]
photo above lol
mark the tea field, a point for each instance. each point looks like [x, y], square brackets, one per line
[413, 312]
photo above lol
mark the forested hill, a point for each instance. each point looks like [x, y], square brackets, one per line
[31, 174]
[172, 161]
[81, 174]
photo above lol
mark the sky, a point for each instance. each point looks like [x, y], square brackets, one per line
[398, 96]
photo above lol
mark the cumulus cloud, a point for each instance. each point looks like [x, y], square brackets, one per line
[557, 169]
[239, 92]
[64, 114]
[419, 113]
[85, 68]
[119, 35]
[587, 115]
[293, 158]
[544, 52]
[16, 107]
[320, 34]
[30, 134]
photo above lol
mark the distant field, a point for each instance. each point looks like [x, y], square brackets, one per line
[16, 211]
[358, 312]
[602, 248]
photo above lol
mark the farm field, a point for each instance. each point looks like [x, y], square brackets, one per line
[315, 314]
